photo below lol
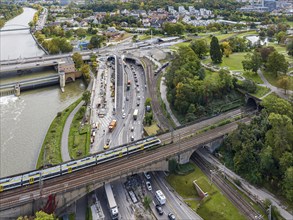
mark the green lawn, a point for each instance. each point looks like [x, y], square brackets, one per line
[274, 81]
[52, 143]
[261, 91]
[215, 206]
[79, 136]
[151, 130]
[252, 76]
[233, 62]
[144, 37]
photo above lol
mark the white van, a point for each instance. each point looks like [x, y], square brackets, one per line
[160, 197]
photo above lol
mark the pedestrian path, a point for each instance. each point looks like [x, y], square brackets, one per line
[163, 91]
[64, 140]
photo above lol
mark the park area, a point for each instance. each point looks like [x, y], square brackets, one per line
[214, 207]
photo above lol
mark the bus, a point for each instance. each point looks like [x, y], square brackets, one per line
[160, 197]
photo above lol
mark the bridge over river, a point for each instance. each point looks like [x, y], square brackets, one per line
[66, 189]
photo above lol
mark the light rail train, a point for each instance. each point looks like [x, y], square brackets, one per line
[35, 176]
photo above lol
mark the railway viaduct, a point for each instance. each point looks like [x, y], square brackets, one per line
[60, 192]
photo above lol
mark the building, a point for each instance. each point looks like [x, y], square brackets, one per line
[65, 2]
[270, 4]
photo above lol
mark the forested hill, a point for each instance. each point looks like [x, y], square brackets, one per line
[102, 5]
[8, 12]
[262, 152]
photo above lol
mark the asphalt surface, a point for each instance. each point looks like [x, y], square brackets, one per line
[65, 134]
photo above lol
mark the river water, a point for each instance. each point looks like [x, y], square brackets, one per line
[26, 119]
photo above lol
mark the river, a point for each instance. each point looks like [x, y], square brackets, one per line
[26, 119]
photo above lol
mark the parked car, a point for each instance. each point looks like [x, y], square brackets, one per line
[159, 209]
[148, 185]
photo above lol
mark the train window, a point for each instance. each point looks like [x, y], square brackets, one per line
[34, 173]
[84, 159]
[71, 163]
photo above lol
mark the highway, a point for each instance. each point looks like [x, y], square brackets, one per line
[113, 168]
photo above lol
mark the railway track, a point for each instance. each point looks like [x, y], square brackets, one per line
[234, 196]
[109, 170]
[152, 85]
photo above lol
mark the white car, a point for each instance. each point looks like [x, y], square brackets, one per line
[124, 115]
[148, 185]
[147, 175]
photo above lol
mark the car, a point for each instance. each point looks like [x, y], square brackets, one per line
[171, 216]
[132, 129]
[106, 147]
[132, 138]
[159, 209]
[108, 141]
[147, 175]
[127, 98]
[148, 185]
[124, 115]
[137, 104]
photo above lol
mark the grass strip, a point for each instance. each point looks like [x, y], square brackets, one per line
[51, 148]
[79, 136]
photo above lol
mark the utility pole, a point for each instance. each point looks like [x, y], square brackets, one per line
[270, 212]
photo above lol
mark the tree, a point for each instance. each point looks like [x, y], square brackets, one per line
[226, 49]
[146, 202]
[134, 38]
[85, 70]
[280, 137]
[44, 216]
[288, 184]
[277, 105]
[80, 32]
[281, 36]
[148, 102]
[284, 82]
[77, 59]
[215, 50]
[277, 63]
[252, 61]
[200, 48]
[96, 41]
[86, 96]
[265, 52]
[249, 85]
[289, 48]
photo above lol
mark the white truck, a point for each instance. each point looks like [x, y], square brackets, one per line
[160, 197]
[135, 114]
[111, 201]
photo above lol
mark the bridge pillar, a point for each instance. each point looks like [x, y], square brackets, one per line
[62, 80]
[17, 89]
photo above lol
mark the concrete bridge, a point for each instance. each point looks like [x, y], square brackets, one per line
[60, 78]
[62, 191]
[36, 62]
[17, 27]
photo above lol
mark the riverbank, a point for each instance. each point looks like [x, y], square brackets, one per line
[9, 12]
[51, 148]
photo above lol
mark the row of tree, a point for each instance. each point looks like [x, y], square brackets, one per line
[268, 58]
[189, 92]
[262, 152]
[8, 12]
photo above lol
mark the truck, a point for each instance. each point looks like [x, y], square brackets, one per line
[135, 114]
[160, 197]
[112, 125]
[111, 201]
